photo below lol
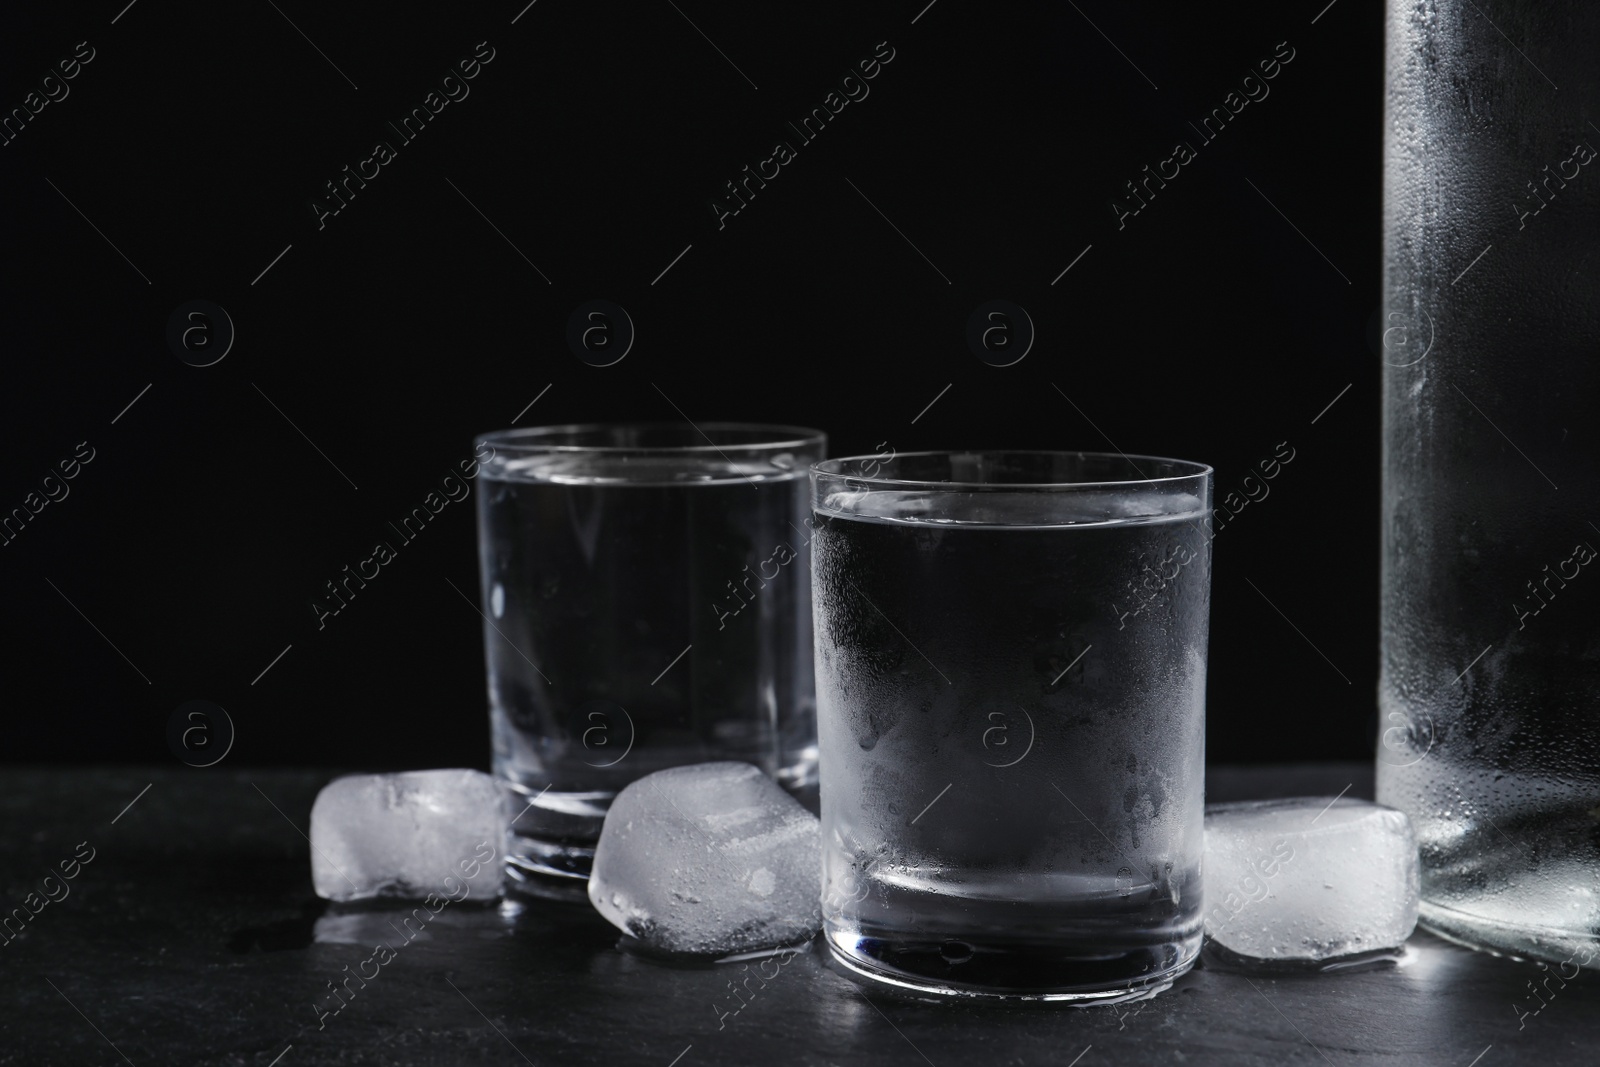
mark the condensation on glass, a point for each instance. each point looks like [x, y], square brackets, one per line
[1011, 663]
[1489, 331]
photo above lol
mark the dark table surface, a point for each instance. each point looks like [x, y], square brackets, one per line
[193, 937]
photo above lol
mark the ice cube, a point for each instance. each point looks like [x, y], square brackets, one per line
[1309, 879]
[409, 835]
[711, 860]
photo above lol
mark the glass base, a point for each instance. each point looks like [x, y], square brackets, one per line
[549, 870]
[1517, 941]
[1015, 969]
[550, 850]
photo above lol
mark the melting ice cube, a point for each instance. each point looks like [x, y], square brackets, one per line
[409, 835]
[1308, 878]
[712, 859]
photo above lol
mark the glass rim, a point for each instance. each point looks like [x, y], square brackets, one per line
[765, 437]
[828, 468]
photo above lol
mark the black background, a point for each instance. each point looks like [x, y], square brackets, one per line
[1210, 327]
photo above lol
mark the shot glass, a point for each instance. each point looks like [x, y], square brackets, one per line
[1011, 665]
[647, 604]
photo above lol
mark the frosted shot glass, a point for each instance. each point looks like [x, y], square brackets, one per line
[1011, 664]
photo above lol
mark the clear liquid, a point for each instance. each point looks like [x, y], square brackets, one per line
[1489, 685]
[1510, 859]
[594, 584]
[1000, 814]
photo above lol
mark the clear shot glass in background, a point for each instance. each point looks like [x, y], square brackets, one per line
[1011, 666]
[647, 604]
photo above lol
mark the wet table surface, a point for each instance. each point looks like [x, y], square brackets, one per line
[192, 936]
